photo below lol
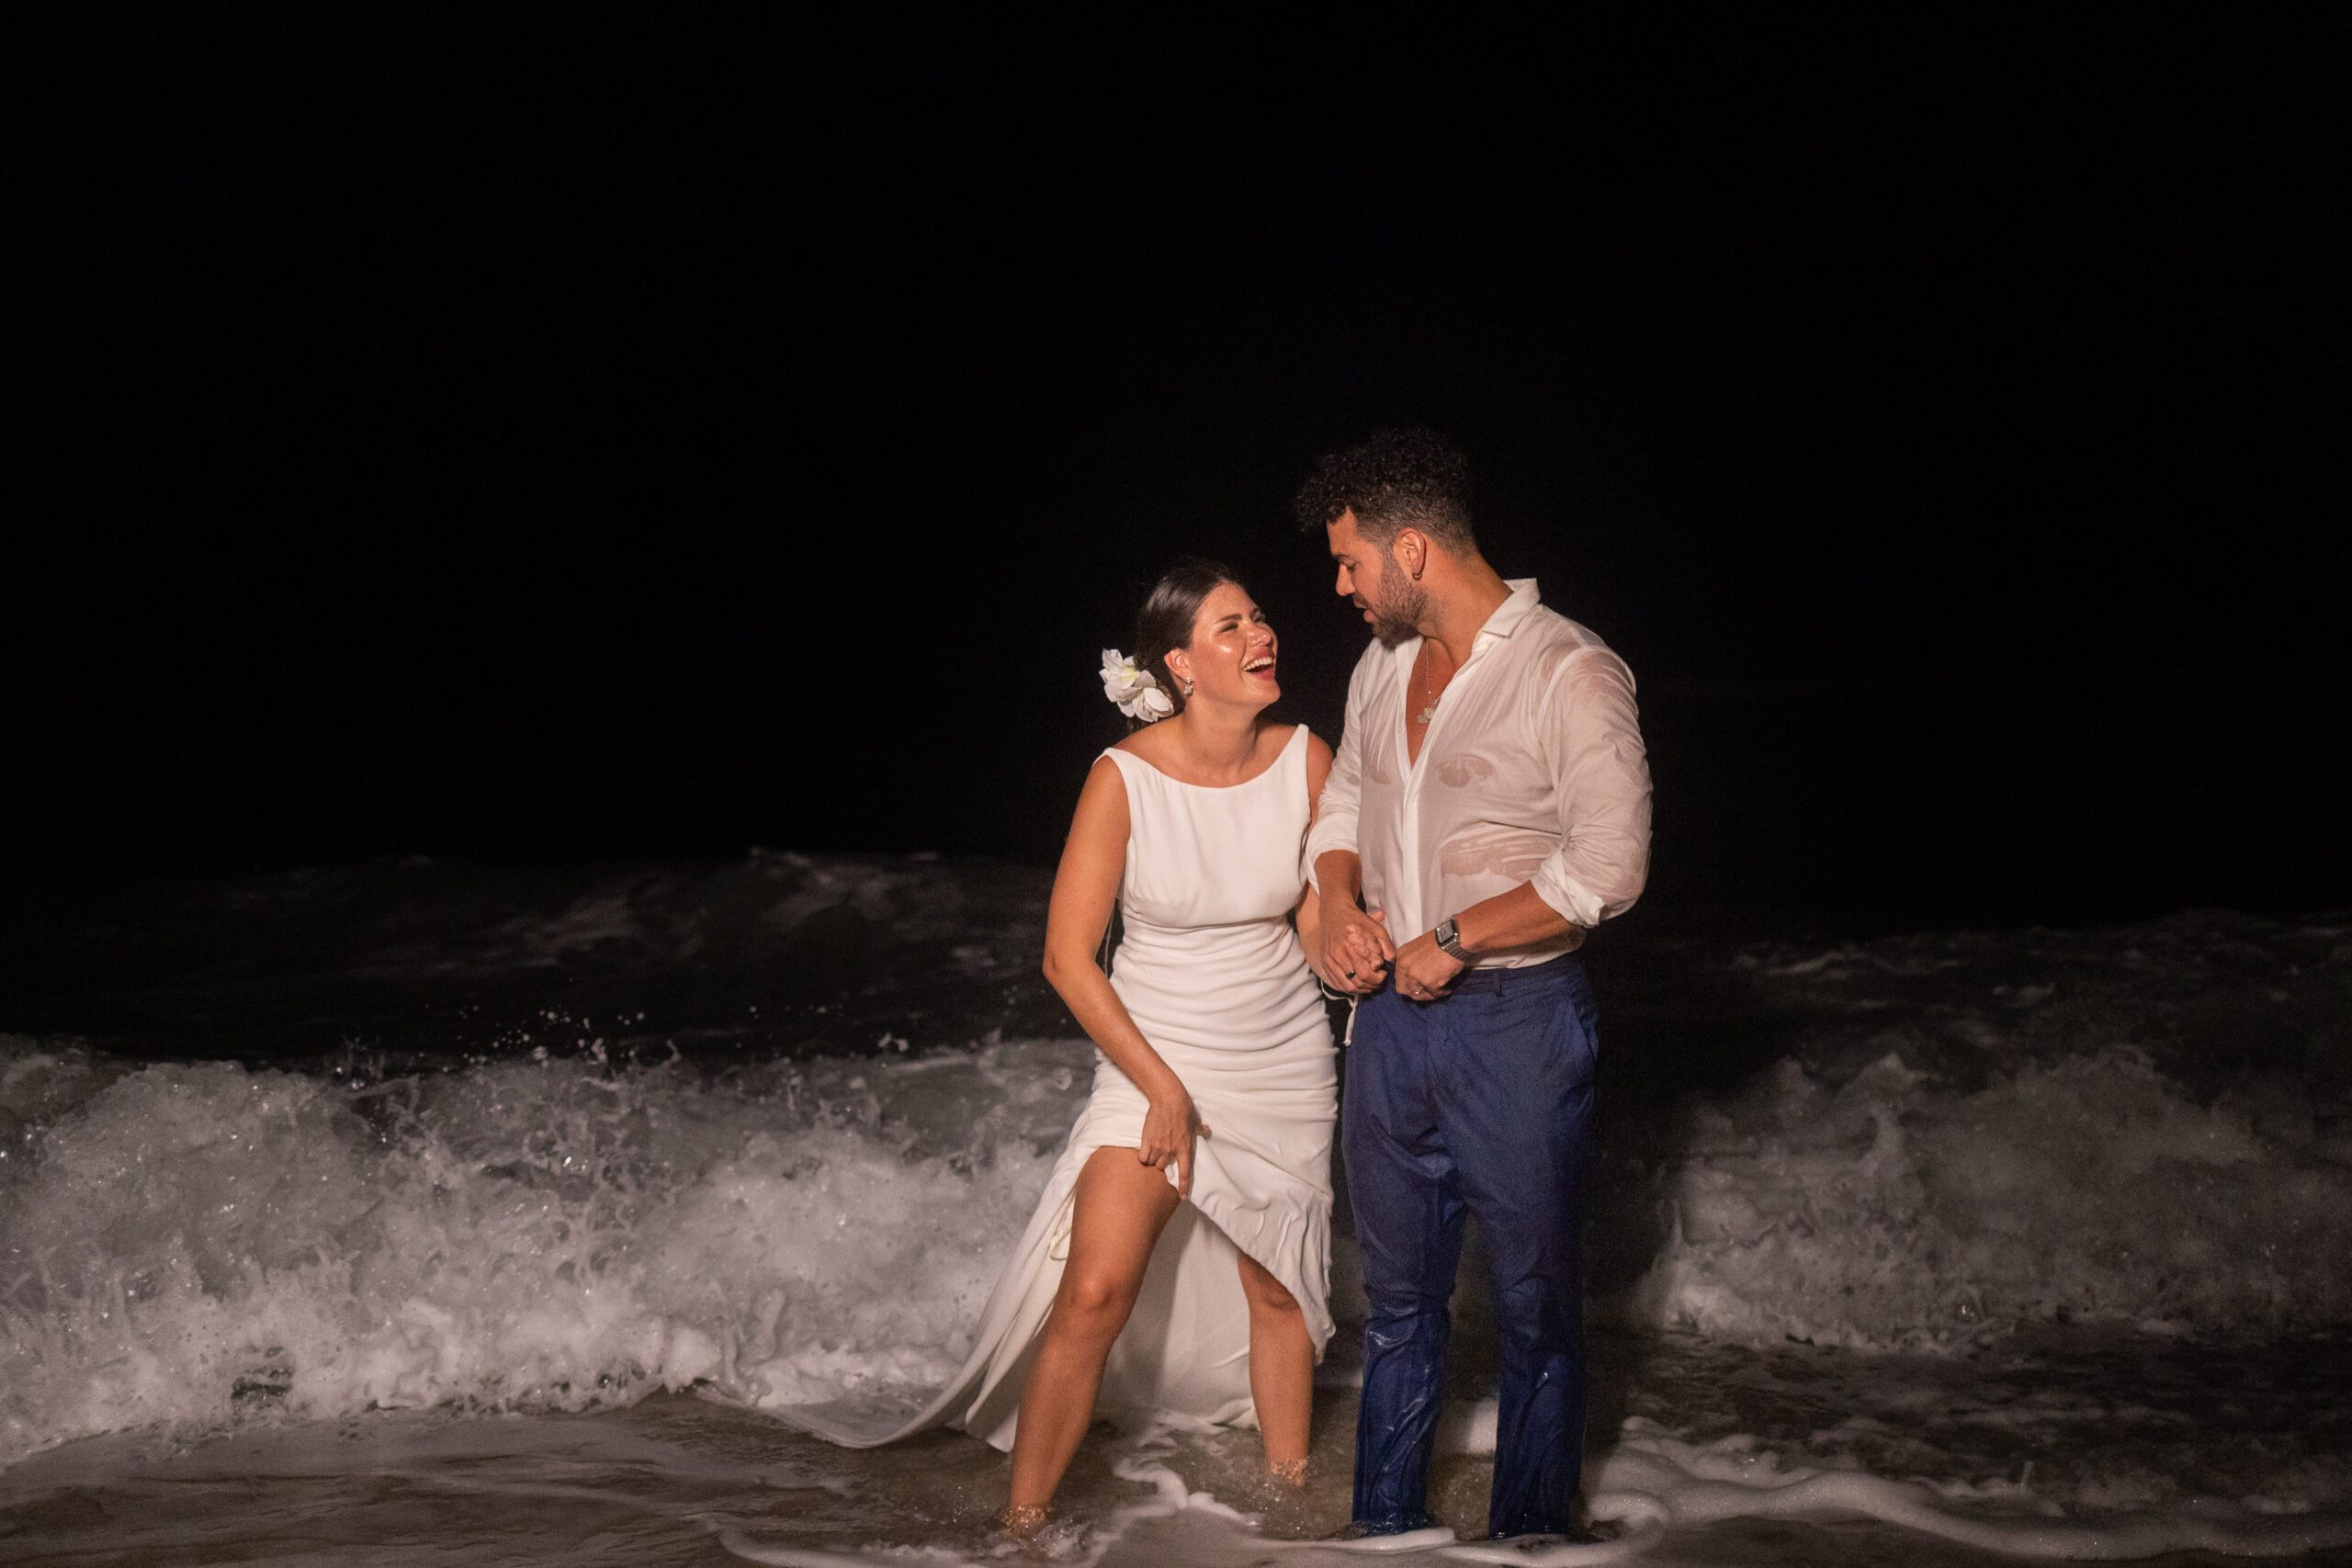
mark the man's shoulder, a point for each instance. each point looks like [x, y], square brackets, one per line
[1557, 646]
[1554, 636]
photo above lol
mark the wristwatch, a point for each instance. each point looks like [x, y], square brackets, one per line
[1449, 940]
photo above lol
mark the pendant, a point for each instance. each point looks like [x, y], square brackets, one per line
[1426, 714]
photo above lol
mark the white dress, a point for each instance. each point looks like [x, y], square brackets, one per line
[1211, 972]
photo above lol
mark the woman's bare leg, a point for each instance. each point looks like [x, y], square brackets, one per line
[1281, 1370]
[1121, 1207]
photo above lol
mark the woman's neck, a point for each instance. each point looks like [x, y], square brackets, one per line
[1220, 740]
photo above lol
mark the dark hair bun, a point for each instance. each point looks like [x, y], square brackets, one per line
[1165, 622]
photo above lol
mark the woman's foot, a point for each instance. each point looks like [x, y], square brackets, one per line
[1023, 1520]
[1290, 1473]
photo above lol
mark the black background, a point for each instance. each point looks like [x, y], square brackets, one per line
[554, 448]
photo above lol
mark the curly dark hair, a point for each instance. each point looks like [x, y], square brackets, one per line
[1391, 479]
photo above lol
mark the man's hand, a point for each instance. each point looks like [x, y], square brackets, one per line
[1355, 950]
[1424, 970]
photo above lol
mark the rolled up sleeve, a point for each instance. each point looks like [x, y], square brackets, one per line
[1590, 731]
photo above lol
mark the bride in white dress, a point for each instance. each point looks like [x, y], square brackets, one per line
[1179, 1261]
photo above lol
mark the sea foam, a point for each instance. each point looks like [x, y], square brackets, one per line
[1950, 1138]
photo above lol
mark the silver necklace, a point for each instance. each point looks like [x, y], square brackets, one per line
[1428, 710]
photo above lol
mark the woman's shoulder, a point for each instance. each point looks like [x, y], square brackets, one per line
[1276, 741]
[1318, 759]
[1105, 790]
[1280, 739]
[1149, 744]
[1117, 763]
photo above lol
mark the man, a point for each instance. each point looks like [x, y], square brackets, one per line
[1489, 805]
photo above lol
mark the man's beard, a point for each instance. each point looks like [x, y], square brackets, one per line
[1394, 614]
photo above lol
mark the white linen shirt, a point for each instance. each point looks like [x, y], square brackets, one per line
[1533, 771]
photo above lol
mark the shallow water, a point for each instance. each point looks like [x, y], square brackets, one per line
[406, 1209]
[1992, 1446]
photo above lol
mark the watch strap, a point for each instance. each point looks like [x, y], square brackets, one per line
[1449, 940]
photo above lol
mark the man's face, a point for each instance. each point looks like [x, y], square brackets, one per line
[1371, 580]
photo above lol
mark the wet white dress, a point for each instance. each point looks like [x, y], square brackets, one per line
[1211, 972]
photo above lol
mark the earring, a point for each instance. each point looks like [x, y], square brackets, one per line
[1188, 684]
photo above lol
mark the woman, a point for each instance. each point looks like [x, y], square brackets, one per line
[1215, 1086]
[1192, 1208]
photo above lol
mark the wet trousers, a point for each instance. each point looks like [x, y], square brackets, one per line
[1480, 1103]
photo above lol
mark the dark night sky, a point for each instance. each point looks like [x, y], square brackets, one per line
[538, 451]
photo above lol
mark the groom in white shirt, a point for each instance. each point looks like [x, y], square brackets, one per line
[1489, 805]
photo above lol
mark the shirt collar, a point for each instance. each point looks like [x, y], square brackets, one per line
[1504, 621]
[1511, 611]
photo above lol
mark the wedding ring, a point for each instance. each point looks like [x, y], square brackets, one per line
[1352, 974]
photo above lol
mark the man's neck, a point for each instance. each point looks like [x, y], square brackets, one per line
[1459, 606]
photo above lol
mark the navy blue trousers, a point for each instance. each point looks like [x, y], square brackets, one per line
[1482, 1104]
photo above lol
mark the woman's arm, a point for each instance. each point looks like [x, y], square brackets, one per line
[1351, 950]
[1307, 914]
[1085, 888]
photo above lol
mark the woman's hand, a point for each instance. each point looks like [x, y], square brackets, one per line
[1356, 951]
[1168, 1129]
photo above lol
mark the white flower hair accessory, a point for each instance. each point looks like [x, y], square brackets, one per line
[1132, 690]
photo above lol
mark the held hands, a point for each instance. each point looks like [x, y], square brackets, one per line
[1353, 952]
[1169, 1128]
[1424, 970]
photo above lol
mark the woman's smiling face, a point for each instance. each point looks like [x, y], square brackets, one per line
[1231, 655]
